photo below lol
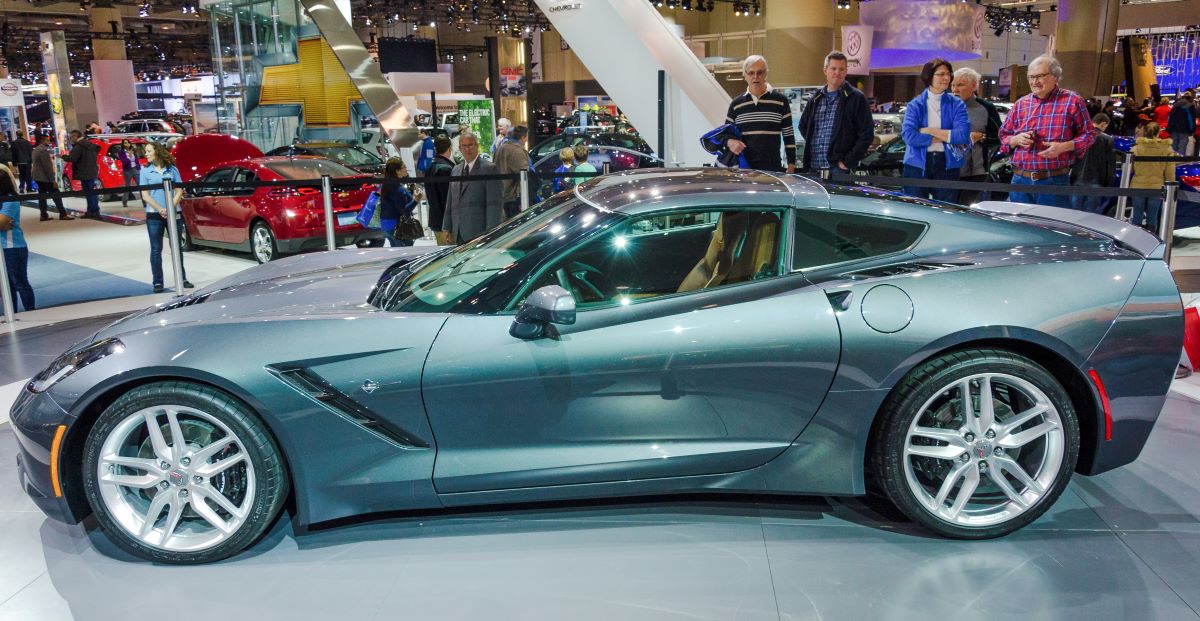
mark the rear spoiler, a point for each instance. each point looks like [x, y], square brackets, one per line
[1128, 235]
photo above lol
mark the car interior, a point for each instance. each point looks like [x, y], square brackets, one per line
[667, 254]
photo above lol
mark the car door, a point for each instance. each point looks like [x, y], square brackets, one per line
[205, 208]
[694, 353]
[234, 208]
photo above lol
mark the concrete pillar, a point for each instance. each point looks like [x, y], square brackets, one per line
[799, 35]
[1085, 44]
[112, 74]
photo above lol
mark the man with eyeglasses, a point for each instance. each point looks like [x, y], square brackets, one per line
[1046, 132]
[763, 115]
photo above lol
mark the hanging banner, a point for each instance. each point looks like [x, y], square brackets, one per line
[535, 65]
[979, 23]
[856, 45]
[480, 116]
[512, 81]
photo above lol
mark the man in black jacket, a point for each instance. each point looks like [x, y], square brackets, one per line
[86, 170]
[836, 124]
[1181, 123]
[1096, 168]
[22, 155]
[436, 193]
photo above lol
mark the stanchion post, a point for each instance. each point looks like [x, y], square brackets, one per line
[524, 189]
[1126, 176]
[173, 234]
[1166, 223]
[606, 168]
[6, 291]
[327, 199]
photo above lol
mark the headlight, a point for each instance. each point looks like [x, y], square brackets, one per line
[67, 364]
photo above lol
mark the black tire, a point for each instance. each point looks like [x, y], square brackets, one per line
[922, 386]
[267, 251]
[271, 480]
[185, 239]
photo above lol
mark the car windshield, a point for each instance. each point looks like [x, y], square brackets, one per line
[439, 285]
[310, 168]
[348, 156]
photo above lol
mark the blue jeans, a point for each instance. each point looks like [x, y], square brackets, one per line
[156, 226]
[93, 199]
[1179, 143]
[1148, 208]
[17, 261]
[1050, 200]
[1090, 204]
[935, 168]
[389, 232]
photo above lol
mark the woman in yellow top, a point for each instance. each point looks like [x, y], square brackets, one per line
[1150, 175]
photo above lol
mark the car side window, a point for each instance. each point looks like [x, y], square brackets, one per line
[247, 177]
[221, 175]
[825, 237]
[651, 256]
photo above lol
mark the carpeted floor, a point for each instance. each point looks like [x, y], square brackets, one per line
[58, 282]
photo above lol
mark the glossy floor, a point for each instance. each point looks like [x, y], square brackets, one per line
[1124, 545]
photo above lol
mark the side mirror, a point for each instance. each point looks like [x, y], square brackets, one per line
[547, 305]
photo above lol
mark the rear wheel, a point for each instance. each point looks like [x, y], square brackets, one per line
[262, 242]
[182, 473]
[977, 444]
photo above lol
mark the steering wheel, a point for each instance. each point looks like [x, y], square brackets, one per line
[577, 278]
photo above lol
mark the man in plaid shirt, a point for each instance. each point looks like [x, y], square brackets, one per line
[1046, 132]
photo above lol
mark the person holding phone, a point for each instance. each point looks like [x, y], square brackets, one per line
[1047, 130]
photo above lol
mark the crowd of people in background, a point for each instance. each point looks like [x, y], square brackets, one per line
[1052, 136]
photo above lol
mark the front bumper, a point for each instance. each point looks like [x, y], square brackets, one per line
[35, 418]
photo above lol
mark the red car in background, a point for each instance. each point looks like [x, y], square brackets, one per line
[271, 221]
[110, 168]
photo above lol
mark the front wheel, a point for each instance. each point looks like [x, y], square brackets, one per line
[182, 473]
[976, 444]
[185, 239]
[262, 242]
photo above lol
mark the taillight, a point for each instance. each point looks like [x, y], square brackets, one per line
[288, 192]
[1190, 180]
[369, 187]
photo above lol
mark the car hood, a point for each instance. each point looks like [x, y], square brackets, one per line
[311, 286]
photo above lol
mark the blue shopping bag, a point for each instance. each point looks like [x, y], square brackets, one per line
[367, 213]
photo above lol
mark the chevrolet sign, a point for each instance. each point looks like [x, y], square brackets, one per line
[565, 6]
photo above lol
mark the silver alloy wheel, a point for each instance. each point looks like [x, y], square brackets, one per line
[264, 245]
[984, 449]
[141, 474]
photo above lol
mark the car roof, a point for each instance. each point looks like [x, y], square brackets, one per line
[635, 191]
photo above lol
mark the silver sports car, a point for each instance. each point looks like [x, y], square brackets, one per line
[649, 332]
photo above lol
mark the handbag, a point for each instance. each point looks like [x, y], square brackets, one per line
[408, 228]
[368, 216]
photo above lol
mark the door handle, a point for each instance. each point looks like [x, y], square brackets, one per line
[840, 300]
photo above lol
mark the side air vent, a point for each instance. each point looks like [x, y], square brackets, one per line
[900, 269]
[190, 300]
[316, 388]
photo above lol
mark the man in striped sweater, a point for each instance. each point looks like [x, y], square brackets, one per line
[764, 118]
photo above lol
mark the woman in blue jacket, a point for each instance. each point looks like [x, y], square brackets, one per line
[937, 133]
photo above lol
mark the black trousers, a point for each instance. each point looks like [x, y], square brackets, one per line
[25, 174]
[44, 188]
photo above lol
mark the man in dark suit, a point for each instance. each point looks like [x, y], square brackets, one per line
[472, 207]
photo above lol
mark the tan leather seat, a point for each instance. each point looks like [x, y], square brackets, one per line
[743, 245]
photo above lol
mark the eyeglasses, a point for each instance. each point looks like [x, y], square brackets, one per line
[1038, 76]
